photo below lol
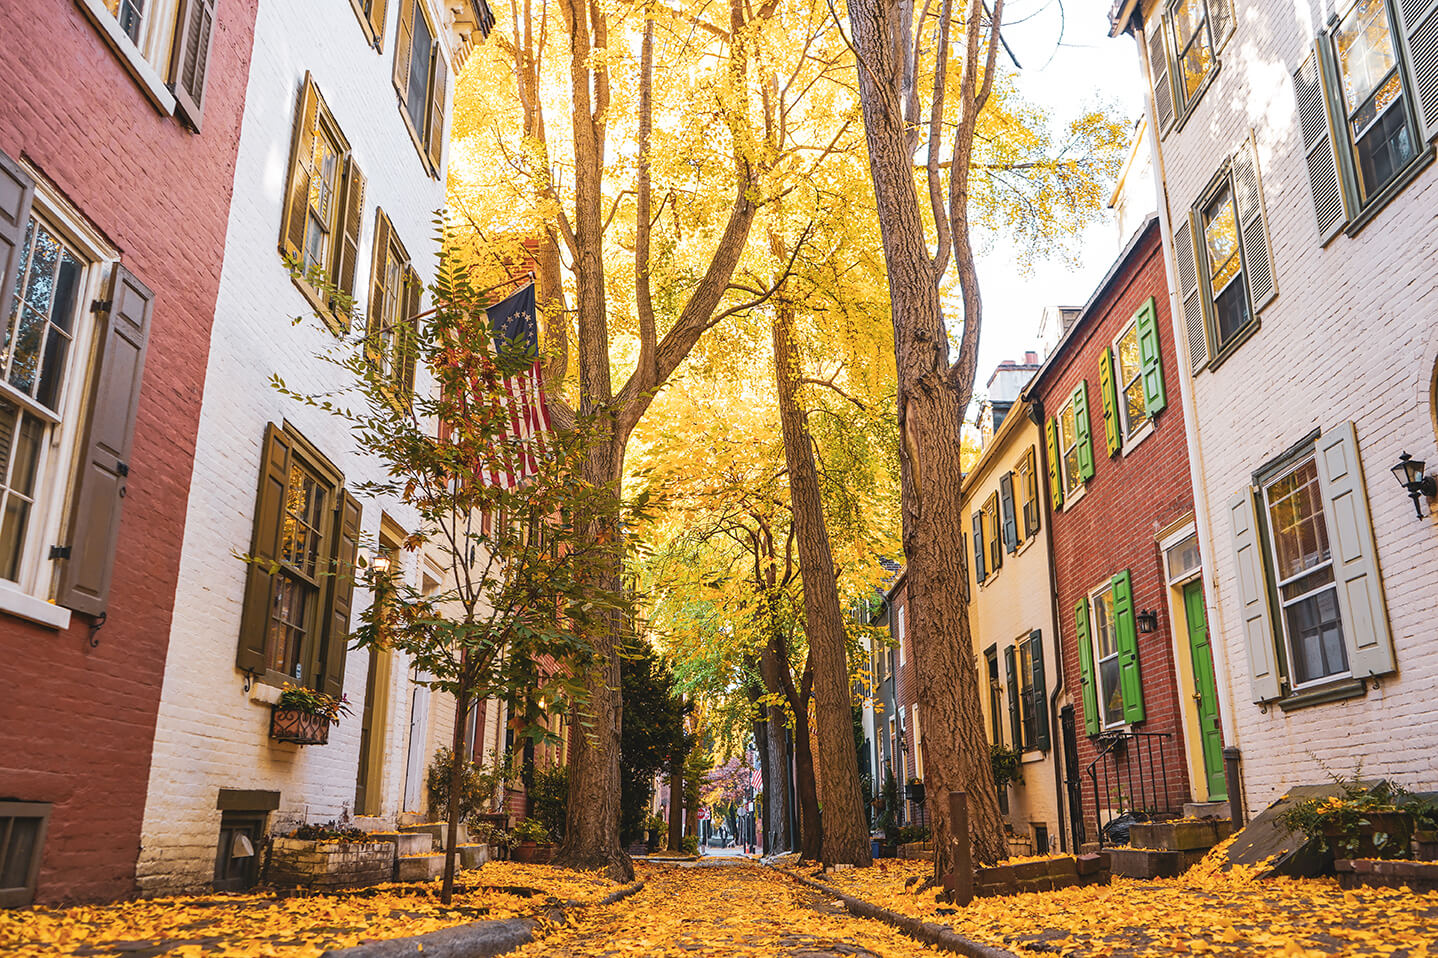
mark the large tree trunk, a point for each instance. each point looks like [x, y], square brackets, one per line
[931, 408]
[845, 837]
[776, 807]
[811, 836]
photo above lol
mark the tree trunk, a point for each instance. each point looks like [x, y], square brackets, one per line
[845, 839]
[931, 410]
[781, 839]
[811, 836]
[676, 803]
[451, 838]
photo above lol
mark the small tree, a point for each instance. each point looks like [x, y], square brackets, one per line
[653, 731]
[498, 507]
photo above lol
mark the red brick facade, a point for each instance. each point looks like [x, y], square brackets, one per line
[79, 721]
[1131, 497]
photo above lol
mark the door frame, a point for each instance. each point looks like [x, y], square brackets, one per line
[1189, 718]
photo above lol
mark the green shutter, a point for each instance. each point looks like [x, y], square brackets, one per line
[1149, 357]
[1081, 425]
[1109, 393]
[1056, 486]
[1126, 638]
[979, 572]
[1091, 722]
[1011, 671]
[1041, 692]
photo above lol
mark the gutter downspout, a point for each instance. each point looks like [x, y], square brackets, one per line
[1036, 414]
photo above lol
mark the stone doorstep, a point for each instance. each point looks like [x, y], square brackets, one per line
[408, 843]
[1179, 836]
[1205, 809]
[472, 856]
[1152, 862]
[418, 867]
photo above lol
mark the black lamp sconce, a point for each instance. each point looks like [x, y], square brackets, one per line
[1409, 473]
[1147, 621]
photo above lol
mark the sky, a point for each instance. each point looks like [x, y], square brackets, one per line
[1067, 63]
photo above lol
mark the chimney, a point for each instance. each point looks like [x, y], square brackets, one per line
[1031, 358]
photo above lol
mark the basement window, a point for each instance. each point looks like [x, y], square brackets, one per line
[22, 839]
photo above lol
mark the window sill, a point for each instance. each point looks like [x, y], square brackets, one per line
[1323, 694]
[332, 320]
[1073, 498]
[143, 72]
[22, 605]
[1221, 355]
[416, 139]
[1033, 755]
[1182, 117]
[1386, 195]
[1132, 442]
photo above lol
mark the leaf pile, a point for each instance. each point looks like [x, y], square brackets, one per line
[230, 926]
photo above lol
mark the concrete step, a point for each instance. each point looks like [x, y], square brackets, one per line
[371, 823]
[1179, 836]
[439, 830]
[1151, 862]
[412, 818]
[1205, 809]
[407, 843]
[418, 867]
[472, 856]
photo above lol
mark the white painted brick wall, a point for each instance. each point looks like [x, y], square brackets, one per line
[1350, 337]
[211, 734]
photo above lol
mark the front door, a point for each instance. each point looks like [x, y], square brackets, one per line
[1210, 732]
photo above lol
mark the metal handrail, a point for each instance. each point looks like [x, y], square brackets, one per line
[1151, 789]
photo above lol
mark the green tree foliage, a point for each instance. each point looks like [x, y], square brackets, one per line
[654, 715]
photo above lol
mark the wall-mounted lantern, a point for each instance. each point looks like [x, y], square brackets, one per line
[1147, 621]
[1409, 472]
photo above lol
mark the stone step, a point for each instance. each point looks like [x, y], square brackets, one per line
[418, 867]
[1151, 862]
[371, 823]
[1205, 810]
[439, 830]
[1179, 836]
[412, 818]
[472, 856]
[407, 843]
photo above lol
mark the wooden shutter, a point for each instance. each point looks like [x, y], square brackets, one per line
[1108, 393]
[377, 291]
[403, 42]
[979, 573]
[1031, 504]
[1419, 20]
[1355, 557]
[1010, 515]
[302, 152]
[1126, 639]
[17, 192]
[351, 216]
[995, 533]
[1089, 690]
[1248, 196]
[1150, 357]
[1056, 485]
[1194, 328]
[105, 455]
[1040, 685]
[1016, 726]
[1159, 72]
[438, 81]
[265, 545]
[377, 10]
[340, 593]
[1252, 583]
[407, 338]
[1081, 427]
[1329, 204]
[194, 31]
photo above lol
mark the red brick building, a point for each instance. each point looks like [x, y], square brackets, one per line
[117, 153]
[1142, 733]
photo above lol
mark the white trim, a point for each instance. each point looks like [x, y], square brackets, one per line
[1104, 724]
[144, 72]
[1178, 535]
[18, 603]
[1128, 442]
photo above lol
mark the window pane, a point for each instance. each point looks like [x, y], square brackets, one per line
[1386, 145]
[289, 623]
[21, 437]
[1110, 692]
[304, 500]
[1183, 558]
[1190, 32]
[1364, 49]
[1315, 632]
[1220, 235]
[15, 859]
[416, 98]
[1103, 624]
[46, 288]
[1295, 519]
[323, 185]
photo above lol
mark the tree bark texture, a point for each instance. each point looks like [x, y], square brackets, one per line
[451, 837]
[845, 834]
[932, 401]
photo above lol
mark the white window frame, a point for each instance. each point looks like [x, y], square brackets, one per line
[1093, 600]
[1129, 435]
[1183, 99]
[1074, 492]
[899, 629]
[1281, 605]
[31, 595]
[918, 741]
[1171, 542]
[149, 59]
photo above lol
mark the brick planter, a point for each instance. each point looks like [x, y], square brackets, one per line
[325, 865]
[301, 728]
[1419, 876]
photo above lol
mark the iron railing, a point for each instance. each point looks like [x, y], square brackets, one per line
[1132, 782]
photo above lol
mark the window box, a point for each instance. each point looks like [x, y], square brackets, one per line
[298, 727]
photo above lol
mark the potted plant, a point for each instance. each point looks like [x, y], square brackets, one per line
[530, 842]
[656, 832]
[889, 820]
[914, 791]
[1363, 821]
[304, 716]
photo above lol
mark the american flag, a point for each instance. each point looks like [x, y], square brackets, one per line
[515, 325]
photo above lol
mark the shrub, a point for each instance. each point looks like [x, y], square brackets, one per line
[529, 830]
[475, 791]
[1007, 764]
[329, 832]
[689, 844]
[549, 798]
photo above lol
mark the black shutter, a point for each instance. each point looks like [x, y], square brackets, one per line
[979, 574]
[1016, 730]
[194, 31]
[341, 593]
[1006, 503]
[264, 549]
[17, 190]
[1041, 692]
[105, 455]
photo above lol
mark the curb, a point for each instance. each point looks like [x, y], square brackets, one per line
[480, 939]
[928, 932]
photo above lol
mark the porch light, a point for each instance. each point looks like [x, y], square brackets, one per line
[382, 562]
[1409, 473]
[1147, 621]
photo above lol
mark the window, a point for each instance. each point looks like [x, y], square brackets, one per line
[1303, 547]
[300, 570]
[395, 292]
[22, 840]
[1007, 512]
[1068, 448]
[1364, 113]
[1182, 558]
[371, 17]
[320, 233]
[420, 78]
[1183, 45]
[1028, 714]
[1029, 490]
[1071, 446]
[61, 470]
[991, 533]
[1133, 412]
[165, 45]
[1108, 655]
[899, 637]
[1227, 292]
[1131, 380]
[996, 728]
